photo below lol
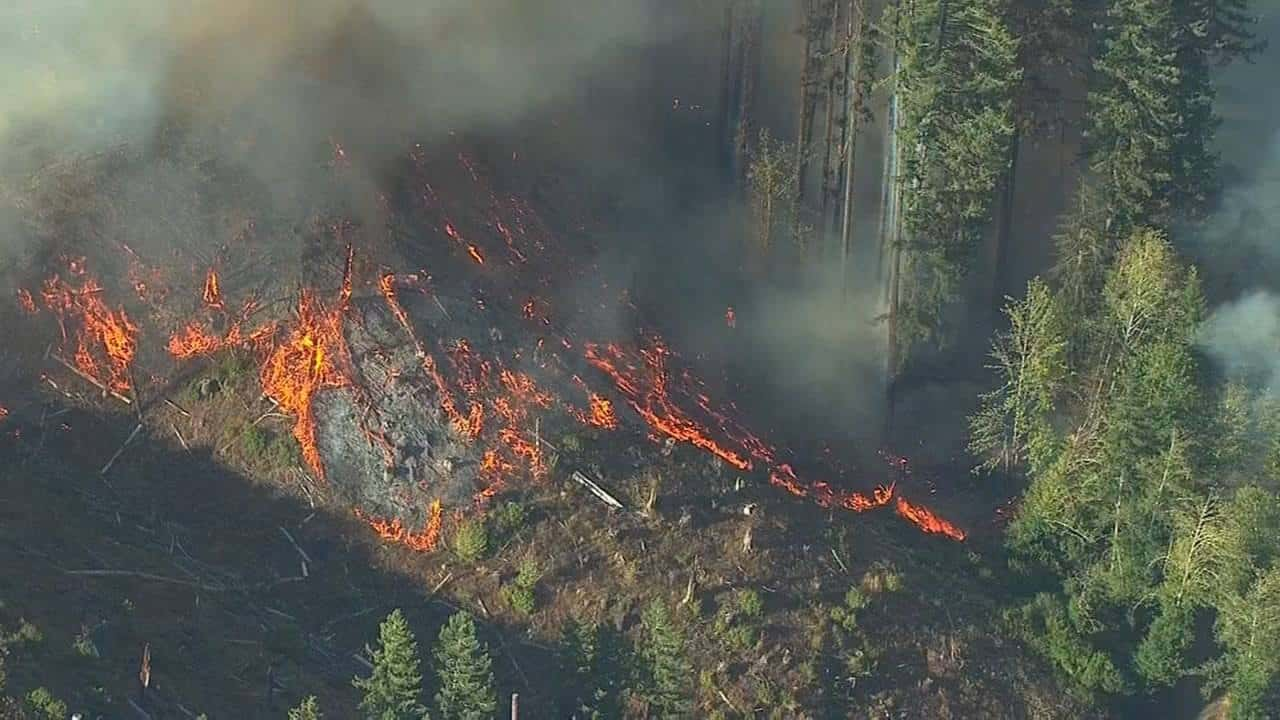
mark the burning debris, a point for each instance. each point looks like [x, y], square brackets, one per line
[100, 341]
[417, 399]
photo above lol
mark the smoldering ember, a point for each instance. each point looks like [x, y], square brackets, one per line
[805, 359]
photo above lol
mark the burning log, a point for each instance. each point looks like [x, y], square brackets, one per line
[93, 381]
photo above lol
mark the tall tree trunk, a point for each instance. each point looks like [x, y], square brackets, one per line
[890, 245]
[808, 108]
[853, 115]
[750, 69]
[1004, 233]
[833, 154]
[724, 142]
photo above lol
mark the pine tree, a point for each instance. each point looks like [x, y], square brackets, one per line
[666, 670]
[308, 709]
[464, 672]
[394, 690]
[957, 78]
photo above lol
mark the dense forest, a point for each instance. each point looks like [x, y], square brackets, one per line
[868, 176]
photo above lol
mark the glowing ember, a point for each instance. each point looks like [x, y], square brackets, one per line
[602, 414]
[394, 531]
[472, 250]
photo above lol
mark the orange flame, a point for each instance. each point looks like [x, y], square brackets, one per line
[314, 356]
[102, 336]
[925, 519]
[212, 295]
[394, 531]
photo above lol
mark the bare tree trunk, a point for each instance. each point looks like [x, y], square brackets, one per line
[724, 143]
[808, 108]
[1004, 233]
[853, 113]
[750, 71]
[833, 154]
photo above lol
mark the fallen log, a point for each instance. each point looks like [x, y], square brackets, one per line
[92, 380]
[137, 429]
[596, 490]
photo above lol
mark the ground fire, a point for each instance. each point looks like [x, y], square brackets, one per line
[499, 403]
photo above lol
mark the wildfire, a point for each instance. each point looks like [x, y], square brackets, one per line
[26, 302]
[4, 413]
[472, 250]
[730, 318]
[102, 342]
[648, 392]
[925, 519]
[394, 531]
[212, 295]
[198, 338]
[654, 405]
[313, 356]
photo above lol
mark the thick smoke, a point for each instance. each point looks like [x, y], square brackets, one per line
[1243, 337]
[270, 86]
[1239, 248]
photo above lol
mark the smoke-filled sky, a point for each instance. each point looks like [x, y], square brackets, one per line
[92, 71]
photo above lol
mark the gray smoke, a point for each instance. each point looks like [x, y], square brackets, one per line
[1238, 249]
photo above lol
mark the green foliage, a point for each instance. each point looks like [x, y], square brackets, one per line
[394, 690]
[83, 644]
[846, 615]
[507, 519]
[1249, 627]
[1160, 656]
[1150, 112]
[957, 76]
[1045, 624]
[666, 671]
[42, 703]
[464, 672]
[25, 634]
[750, 604]
[882, 577]
[308, 709]
[594, 662]
[520, 593]
[773, 183]
[471, 540]
[1014, 421]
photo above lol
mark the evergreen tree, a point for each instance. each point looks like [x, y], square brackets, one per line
[464, 672]
[957, 78]
[394, 690]
[308, 709]
[594, 661]
[1133, 121]
[667, 674]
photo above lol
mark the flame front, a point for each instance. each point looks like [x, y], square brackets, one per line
[925, 519]
[394, 531]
